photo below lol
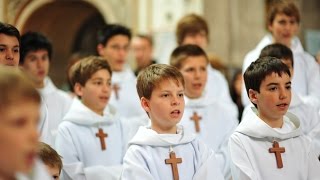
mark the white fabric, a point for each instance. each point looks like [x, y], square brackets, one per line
[216, 126]
[306, 78]
[43, 126]
[145, 158]
[80, 148]
[128, 104]
[249, 148]
[39, 172]
[58, 103]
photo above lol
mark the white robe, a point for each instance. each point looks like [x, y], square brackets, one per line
[58, 103]
[81, 150]
[39, 172]
[216, 126]
[306, 78]
[249, 148]
[128, 104]
[145, 158]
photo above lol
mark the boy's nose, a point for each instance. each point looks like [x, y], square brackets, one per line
[175, 101]
[9, 55]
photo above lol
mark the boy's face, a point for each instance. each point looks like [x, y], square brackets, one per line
[9, 50]
[289, 64]
[54, 172]
[199, 39]
[115, 51]
[194, 71]
[274, 98]
[18, 136]
[283, 29]
[166, 106]
[142, 51]
[95, 93]
[36, 64]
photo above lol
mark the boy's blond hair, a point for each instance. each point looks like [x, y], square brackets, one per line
[49, 156]
[181, 53]
[153, 75]
[82, 70]
[15, 87]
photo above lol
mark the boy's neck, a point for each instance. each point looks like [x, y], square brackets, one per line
[93, 110]
[172, 130]
[39, 85]
[274, 123]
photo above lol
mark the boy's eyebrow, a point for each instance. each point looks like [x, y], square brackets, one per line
[276, 84]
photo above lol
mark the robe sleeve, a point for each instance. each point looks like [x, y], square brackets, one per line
[208, 166]
[135, 166]
[241, 167]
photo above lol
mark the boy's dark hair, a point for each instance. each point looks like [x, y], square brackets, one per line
[16, 87]
[33, 41]
[150, 77]
[287, 7]
[9, 30]
[49, 156]
[279, 51]
[82, 70]
[260, 69]
[181, 53]
[110, 30]
[191, 24]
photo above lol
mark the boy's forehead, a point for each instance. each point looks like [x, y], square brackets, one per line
[4, 38]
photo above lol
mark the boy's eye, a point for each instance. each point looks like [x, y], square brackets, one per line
[2, 49]
[288, 87]
[180, 94]
[16, 50]
[273, 88]
[20, 122]
[165, 95]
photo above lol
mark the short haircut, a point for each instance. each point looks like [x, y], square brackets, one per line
[49, 156]
[150, 78]
[34, 41]
[190, 24]
[16, 87]
[9, 30]
[260, 69]
[279, 51]
[82, 70]
[146, 37]
[181, 53]
[110, 30]
[286, 7]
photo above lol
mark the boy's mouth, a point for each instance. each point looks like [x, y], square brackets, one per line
[197, 85]
[175, 112]
[283, 105]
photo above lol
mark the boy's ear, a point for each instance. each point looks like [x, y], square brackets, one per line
[78, 89]
[100, 49]
[253, 96]
[145, 104]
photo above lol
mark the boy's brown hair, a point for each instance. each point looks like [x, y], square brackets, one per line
[15, 87]
[287, 7]
[82, 70]
[191, 24]
[153, 75]
[181, 53]
[49, 156]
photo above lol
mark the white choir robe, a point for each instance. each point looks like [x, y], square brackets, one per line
[128, 103]
[58, 103]
[39, 172]
[43, 126]
[218, 89]
[306, 77]
[145, 158]
[80, 148]
[216, 126]
[249, 149]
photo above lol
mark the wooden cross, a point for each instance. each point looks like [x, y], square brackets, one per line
[196, 120]
[116, 89]
[101, 135]
[277, 151]
[174, 164]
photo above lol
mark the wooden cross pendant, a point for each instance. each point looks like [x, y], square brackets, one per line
[116, 89]
[101, 135]
[174, 164]
[277, 151]
[196, 120]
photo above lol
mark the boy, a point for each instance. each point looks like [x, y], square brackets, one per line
[19, 115]
[283, 20]
[209, 118]
[165, 150]
[90, 137]
[193, 29]
[307, 114]
[268, 143]
[36, 53]
[9, 45]
[51, 159]
[114, 42]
